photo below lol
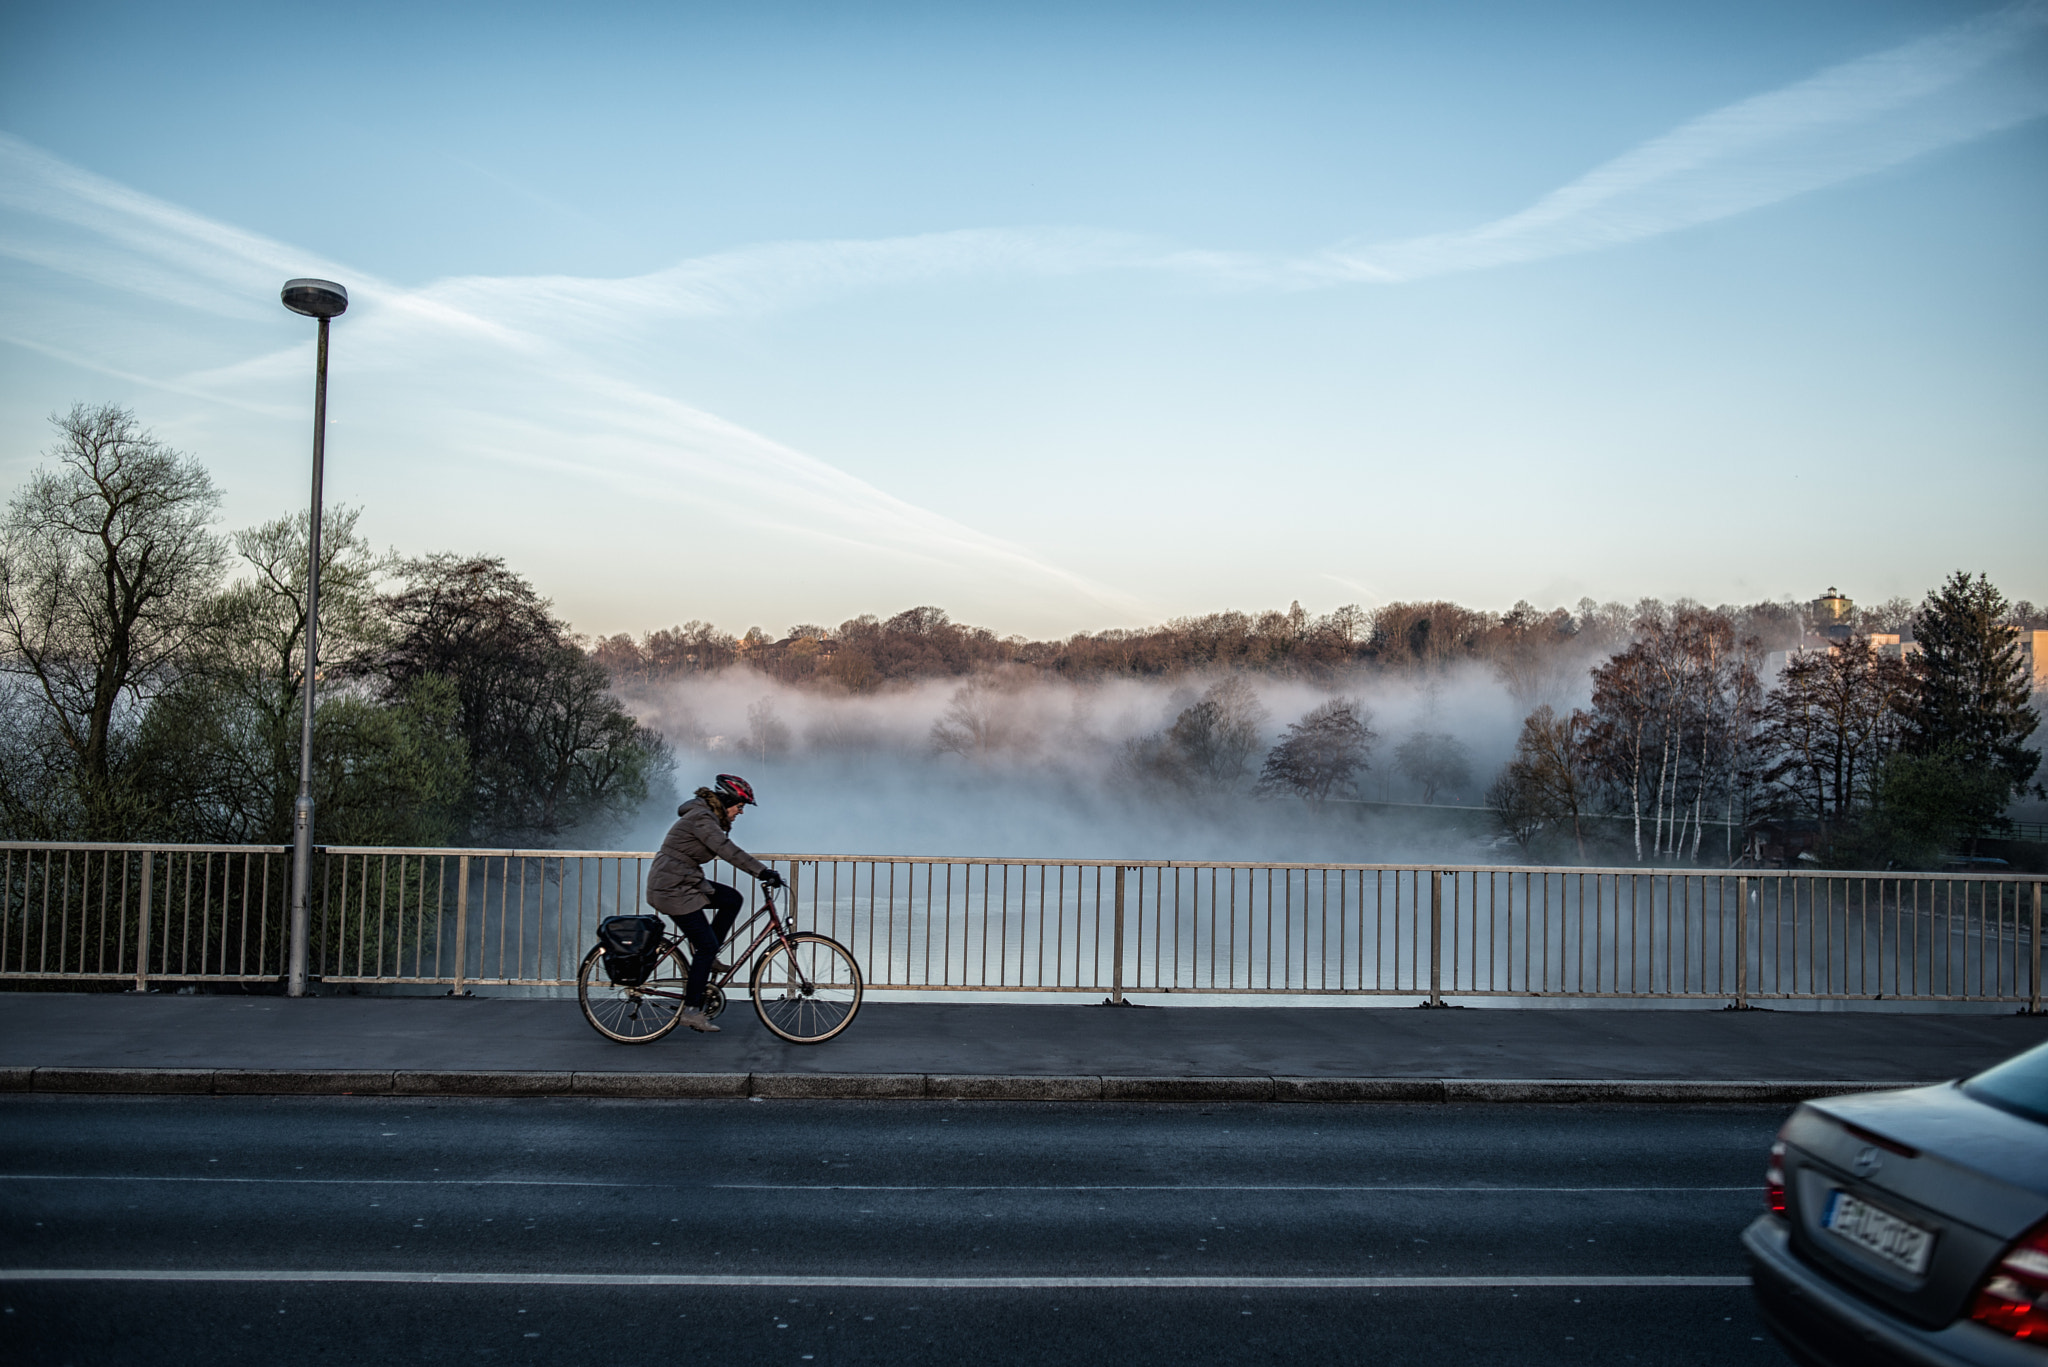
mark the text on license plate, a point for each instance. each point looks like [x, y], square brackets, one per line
[1877, 1231]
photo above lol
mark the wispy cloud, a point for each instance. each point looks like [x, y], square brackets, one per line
[504, 383]
[111, 235]
[1863, 116]
[1854, 119]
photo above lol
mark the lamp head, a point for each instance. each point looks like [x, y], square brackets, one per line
[315, 298]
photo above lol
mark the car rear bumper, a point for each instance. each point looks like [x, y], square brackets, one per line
[1824, 1324]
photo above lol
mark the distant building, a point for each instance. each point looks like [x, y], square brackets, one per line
[1832, 618]
[2034, 651]
[1831, 612]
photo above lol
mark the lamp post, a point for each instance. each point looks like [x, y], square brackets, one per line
[322, 299]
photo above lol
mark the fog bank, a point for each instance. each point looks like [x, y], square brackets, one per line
[1035, 768]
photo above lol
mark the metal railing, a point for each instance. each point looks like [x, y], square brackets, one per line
[466, 918]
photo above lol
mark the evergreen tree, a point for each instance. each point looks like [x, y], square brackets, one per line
[1973, 699]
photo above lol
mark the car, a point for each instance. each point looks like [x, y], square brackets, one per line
[1911, 1227]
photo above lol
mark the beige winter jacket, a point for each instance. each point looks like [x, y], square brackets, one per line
[675, 884]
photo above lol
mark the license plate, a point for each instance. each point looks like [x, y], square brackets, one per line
[1878, 1232]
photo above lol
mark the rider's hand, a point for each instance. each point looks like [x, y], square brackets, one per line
[771, 880]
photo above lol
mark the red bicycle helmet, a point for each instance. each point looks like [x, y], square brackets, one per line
[734, 791]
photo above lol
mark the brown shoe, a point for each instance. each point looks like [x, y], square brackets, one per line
[695, 1018]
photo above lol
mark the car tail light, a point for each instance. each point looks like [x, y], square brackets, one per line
[2014, 1297]
[1774, 1180]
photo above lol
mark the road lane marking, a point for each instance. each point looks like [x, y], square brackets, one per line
[816, 1187]
[324, 1181]
[630, 1279]
[1385, 1186]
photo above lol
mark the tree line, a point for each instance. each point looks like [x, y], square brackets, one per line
[1854, 755]
[152, 673]
[1535, 653]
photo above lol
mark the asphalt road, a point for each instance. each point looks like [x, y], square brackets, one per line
[930, 1232]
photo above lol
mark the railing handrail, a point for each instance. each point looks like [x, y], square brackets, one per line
[951, 923]
[1020, 861]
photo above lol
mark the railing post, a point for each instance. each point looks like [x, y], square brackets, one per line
[461, 923]
[1741, 944]
[142, 925]
[1436, 937]
[1116, 963]
[2034, 998]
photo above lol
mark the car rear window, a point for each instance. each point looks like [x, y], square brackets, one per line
[2019, 1084]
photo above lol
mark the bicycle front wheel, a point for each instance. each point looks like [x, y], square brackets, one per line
[807, 988]
[633, 1015]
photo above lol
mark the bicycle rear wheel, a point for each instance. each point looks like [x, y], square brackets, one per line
[806, 990]
[633, 1015]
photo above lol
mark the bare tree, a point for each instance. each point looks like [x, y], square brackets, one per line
[1321, 754]
[978, 721]
[219, 747]
[1892, 616]
[1209, 744]
[1538, 656]
[1550, 780]
[105, 563]
[1514, 803]
[1219, 734]
[1830, 724]
[767, 733]
[1434, 760]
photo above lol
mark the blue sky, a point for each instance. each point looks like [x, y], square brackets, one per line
[1065, 317]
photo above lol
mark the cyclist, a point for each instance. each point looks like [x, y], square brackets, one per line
[678, 889]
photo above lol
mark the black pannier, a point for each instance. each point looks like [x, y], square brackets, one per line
[631, 945]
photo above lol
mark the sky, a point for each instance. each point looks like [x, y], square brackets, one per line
[1064, 317]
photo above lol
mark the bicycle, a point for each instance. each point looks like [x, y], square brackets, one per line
[806, 986]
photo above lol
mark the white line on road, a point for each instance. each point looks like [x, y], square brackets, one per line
[330, 1181]
[812, 1187]
[630, 1279]
[1355, 1186]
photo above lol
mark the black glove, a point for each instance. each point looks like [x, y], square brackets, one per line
[770, 880]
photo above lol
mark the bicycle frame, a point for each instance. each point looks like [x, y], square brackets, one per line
[776, 929]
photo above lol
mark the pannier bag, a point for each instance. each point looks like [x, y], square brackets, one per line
[631, 945]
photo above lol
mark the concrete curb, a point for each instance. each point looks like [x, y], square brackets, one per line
[656, 1085]
[1188, 1089]
[839, 1086]
[124, 1081]
[994, 1087]
[1664, 1091]
[912, 1086]
[1402, 1089]
[300, 1082]
[483, 1084]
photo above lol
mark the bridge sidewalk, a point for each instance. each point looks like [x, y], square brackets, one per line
[496, 1046]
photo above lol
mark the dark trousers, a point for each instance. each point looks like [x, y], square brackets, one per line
[706, 934]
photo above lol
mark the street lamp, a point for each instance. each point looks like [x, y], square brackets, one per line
[322, 299]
